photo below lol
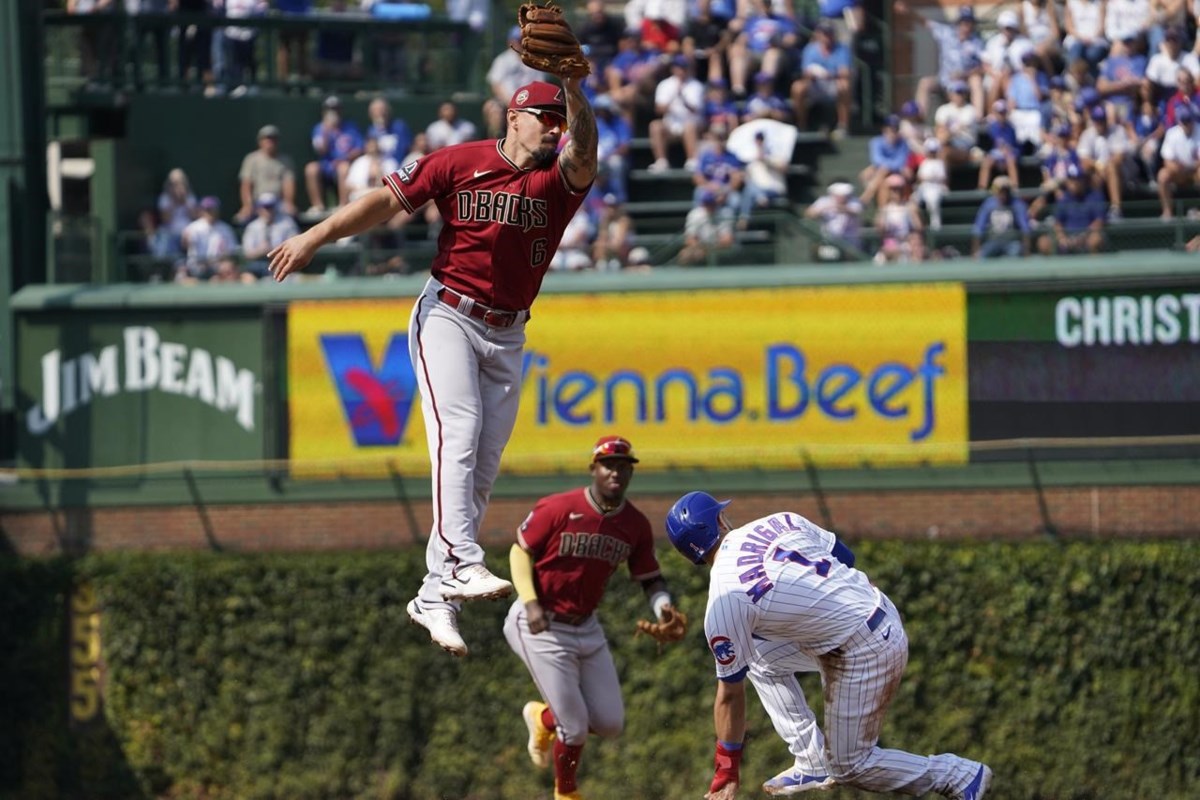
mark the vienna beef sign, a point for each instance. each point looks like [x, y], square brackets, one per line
[142, 362]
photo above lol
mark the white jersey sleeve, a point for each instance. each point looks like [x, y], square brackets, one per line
[729, 628]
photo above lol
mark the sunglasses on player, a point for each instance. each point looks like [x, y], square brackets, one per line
[548, 118]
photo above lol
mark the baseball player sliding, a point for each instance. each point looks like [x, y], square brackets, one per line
[505, 204]
[566, 550]
[782, 587]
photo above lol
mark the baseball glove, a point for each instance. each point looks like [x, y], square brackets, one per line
[670, 628]
[547, 42]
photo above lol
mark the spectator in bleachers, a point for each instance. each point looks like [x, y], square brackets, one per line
[158, 35]
[1083, 21]
[156, 240]
[679, 103]
[899, 225]
[1001, 224]
[1002, 54]
[640, 260]
[707, 230]
[269, 229]
[368, 170]
[615, 235]
[1122, 77]
[720, 172]
[956, 124]
[1059, 154]
[614, 141]
[291, 54]
[633, 73]
[476, 13]
[1104, 150]
[960, 57]
[1148, 129]
[449, 128]
[1185, 94]
[1078, 220]
[1180, 156]
[266, 171]
[575, 250]
[762, 45]
[228, 270]
[206, 239]
[1039, 23]
[764, 103]
[720, 112]
[1028, 95]
[336, 143]
[1087, 99]
[1005, 150]
[335, 56]
[1058, 105]
[392, 133]
[706, 42]
[660, 22]
[1162, 71]
[177, 205]
[889, 156]
[1125, 20]
[241, 62]
[765, 181]
[599, 32]
[933, 181]
[913, 128]
[846, 16]
[824, 78]
[506, 74]
[839, 214]
[1165, 15]
[195, 45]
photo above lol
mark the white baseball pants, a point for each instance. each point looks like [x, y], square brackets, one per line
[773, 673]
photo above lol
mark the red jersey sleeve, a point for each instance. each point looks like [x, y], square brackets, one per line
[542, 523]
[421, 180]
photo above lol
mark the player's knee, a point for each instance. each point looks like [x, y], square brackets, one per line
[609, 724]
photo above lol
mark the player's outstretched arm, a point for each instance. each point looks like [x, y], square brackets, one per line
[363, 214]
[579, 158]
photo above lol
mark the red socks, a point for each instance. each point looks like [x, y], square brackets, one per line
[566, 761]
[548, 718]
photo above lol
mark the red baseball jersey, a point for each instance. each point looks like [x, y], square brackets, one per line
[503, 224]
[576, 548]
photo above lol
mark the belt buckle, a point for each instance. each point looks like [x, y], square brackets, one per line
[498, 319]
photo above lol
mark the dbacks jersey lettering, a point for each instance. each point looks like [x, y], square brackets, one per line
[503, 224]
[576, 548]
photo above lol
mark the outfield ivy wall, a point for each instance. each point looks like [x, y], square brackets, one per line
[1070, 667]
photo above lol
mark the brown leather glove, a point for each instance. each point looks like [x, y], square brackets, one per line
[670, 628]
[547, 42]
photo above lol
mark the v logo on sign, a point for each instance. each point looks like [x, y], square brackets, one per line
[376, 402]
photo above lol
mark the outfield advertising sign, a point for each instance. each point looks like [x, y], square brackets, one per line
[109, 389]
[715, 379]
[1080, 363]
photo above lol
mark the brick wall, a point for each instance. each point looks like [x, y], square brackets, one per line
[1015, 514]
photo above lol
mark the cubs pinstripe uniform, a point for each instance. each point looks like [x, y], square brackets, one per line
[779, 597]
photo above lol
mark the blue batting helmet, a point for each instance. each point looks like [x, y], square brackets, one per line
[692, 525]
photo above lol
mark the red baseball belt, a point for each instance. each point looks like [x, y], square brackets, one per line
[494, 317]
[568, 619]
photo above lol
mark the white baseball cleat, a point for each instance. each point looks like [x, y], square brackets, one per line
[442, 625]
[793, 781]
[474, 582]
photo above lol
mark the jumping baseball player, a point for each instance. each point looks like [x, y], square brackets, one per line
[566, 550]
[783, 580]
[505, 204]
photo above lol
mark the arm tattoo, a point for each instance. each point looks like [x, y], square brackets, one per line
[579, 157]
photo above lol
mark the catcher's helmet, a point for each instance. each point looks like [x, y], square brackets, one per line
[693, 525]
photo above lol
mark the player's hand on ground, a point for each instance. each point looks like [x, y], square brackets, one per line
[726, 792]
[291, 256]
[536, 617]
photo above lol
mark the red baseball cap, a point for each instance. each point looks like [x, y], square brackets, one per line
[613, 447]
[542, 95]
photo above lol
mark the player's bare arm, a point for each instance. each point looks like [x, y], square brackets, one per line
[579, 158]
[363, 214]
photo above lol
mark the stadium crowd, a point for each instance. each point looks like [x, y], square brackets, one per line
[1058, 110]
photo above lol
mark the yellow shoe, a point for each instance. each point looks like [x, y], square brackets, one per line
[575, 795]
[541, 739]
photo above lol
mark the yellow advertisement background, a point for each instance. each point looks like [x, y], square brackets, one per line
[698, 331]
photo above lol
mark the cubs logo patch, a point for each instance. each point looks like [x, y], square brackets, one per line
[722, 649]
[406, 172]
[522, 96]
